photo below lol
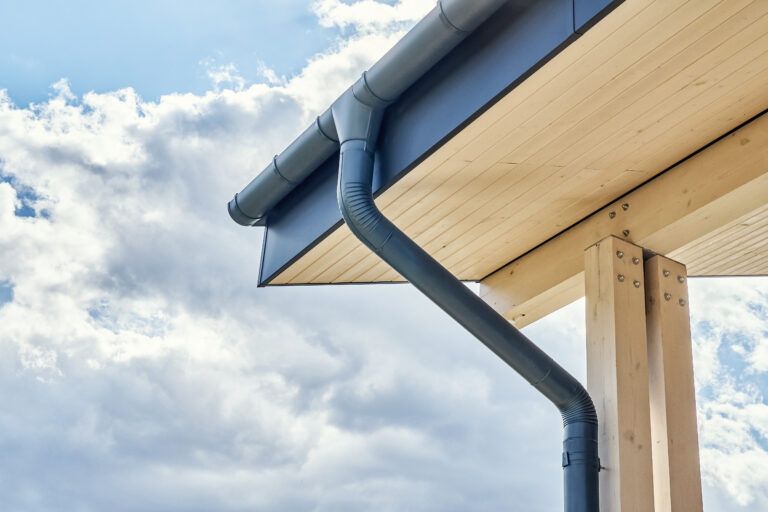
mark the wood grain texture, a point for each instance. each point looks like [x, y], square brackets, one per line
[617, 373]
[676, 470]
[648, 85]
[709, 212]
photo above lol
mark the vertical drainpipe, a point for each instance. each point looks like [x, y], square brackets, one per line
[357, 114]
[353, 121]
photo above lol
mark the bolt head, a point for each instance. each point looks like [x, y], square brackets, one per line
[620, 277]
[625, 206]
[682, 302]
[625, 232]
[666, 273]
[667, 296]
[637, 284]
[680, 279]
[619, 254]
[635, 260]
[612, 215]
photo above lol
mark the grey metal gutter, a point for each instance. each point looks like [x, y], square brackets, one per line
[285, 172]
[352, 124]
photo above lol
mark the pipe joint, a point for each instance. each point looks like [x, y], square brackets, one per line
[327, 127]
[364, 93]
[446, 20]
[466, 16]
[356, 118]
[581, 466]
[579, 409]
[280, 175]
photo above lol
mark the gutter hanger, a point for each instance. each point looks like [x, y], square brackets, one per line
[353, 123]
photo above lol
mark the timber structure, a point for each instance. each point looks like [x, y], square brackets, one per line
[551, 150]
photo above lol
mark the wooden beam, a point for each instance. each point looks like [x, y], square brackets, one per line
[713, 188]
[617, 373]
[676, 470]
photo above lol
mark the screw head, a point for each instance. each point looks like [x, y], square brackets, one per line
[619, 254]
[636, 283]
[666, 273]
[620, 277]
[612, 215]
[667, 296]
[625, 232]
[635, 260]
[682, 302]
[625, 206]
[680, 279]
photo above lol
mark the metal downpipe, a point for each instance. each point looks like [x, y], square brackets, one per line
[580, 459]
[353, 122]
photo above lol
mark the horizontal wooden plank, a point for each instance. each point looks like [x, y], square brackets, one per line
[648, 85]
[698, 210]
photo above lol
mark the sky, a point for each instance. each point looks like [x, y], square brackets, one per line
[155, 47]
[141, 368]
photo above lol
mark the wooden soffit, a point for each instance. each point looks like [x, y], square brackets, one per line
[650, 84]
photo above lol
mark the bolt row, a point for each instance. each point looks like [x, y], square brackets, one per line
[612, 215]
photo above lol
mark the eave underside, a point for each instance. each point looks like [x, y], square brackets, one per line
[649, 85]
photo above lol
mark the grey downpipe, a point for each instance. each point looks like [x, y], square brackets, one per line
[357, 124]
[354, 120]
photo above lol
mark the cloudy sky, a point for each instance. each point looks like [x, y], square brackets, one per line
[141, 368]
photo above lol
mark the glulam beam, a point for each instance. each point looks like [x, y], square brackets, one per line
[671, 214]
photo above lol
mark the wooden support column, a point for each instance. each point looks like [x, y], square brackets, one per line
[617, 373]
[676, 472]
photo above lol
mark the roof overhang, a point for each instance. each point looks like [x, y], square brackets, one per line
[529, 127]
[478, 73]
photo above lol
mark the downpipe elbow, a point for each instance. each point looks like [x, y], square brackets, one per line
[579, 409]
[357, 115]
[355, 196]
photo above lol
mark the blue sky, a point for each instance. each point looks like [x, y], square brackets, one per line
[155, 47]
[141, 367]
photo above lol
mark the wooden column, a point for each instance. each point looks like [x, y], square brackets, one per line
[676, 473]
[617, 373]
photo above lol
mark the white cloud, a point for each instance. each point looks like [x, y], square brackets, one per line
[730, 326]
[142, 369]
[227, 75]
[369, 15]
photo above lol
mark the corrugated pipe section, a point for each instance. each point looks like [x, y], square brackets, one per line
[354, 120]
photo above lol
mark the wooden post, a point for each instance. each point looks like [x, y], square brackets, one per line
[676, 473]
[617, 373]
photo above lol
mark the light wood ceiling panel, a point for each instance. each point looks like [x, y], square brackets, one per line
[738, 248]
[647, 86]
[708, 212]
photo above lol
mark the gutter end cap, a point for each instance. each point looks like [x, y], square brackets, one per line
[241, 218]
